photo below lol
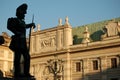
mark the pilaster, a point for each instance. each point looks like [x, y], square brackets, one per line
[67, 37]
[37, 43]
[67, 34]
[103, 67]
[5, 67]
[67, 68]
[58, 38]
[32, 44]
[85, 69]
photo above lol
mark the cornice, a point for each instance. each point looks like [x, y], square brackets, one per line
[81, 48]
[95, 45]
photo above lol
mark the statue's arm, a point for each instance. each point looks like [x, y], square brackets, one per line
[30, 25]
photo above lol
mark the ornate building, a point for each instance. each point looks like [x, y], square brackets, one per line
[89, 52]
[6, 57]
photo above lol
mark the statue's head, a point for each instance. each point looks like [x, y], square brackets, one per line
[21, 11]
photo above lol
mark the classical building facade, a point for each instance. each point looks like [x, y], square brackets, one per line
[94, 55]
[89, 52]
[6, 57]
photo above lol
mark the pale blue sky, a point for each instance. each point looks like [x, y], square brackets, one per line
[47, 12]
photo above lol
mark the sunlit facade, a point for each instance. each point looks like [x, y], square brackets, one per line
[6, 57]
[89, 52]
[92, 55]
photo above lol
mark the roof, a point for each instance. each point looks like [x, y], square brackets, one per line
[95, 30]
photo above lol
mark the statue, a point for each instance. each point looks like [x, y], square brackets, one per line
[86, 35]
[60, 22]
[18, 44]
[67, 20]
[38, 27]
[111, 29]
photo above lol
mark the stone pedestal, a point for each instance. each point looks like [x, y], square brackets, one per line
[5, 78]
[86, 34]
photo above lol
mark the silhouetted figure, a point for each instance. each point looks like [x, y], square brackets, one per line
[19, 46]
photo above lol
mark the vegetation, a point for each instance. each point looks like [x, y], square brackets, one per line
[95, 30]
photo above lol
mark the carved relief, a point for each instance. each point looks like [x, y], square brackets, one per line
[46, 71]
[50, 42]
[36, 69]
[118, 28]
[40, 71]
[111, 29]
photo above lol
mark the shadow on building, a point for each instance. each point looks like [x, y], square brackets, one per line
[76, 40]
[98, 72]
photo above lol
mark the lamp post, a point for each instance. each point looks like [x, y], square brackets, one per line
[55, 66]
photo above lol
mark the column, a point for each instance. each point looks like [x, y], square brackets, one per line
[37, 43]
[67, 68]
[31, 44]
[5, 64]
[103, 67]
[58, 38]
[67, 34]
[67, 37]
[85, 69]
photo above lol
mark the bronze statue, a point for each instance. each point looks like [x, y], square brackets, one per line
[18, 44]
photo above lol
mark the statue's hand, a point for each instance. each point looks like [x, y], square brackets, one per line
[33, 25]
[30, 25]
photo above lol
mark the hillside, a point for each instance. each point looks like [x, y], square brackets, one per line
[95, 30]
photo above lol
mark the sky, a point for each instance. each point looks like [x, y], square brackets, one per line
[47, 12]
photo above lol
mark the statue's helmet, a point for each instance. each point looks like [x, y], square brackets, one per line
[22, 8]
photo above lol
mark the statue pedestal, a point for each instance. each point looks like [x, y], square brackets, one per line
[5, 78]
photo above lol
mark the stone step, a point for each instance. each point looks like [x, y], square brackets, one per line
[5, 78]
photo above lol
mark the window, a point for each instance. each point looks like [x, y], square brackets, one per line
[113, 62]
[78, 66]
[95, 64]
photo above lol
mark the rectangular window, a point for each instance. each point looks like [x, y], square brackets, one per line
[113, 62]
[95, 64]
[78, 66]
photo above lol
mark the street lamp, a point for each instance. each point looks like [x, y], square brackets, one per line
[55, 66]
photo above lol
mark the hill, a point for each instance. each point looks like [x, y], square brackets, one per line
[95, 30]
